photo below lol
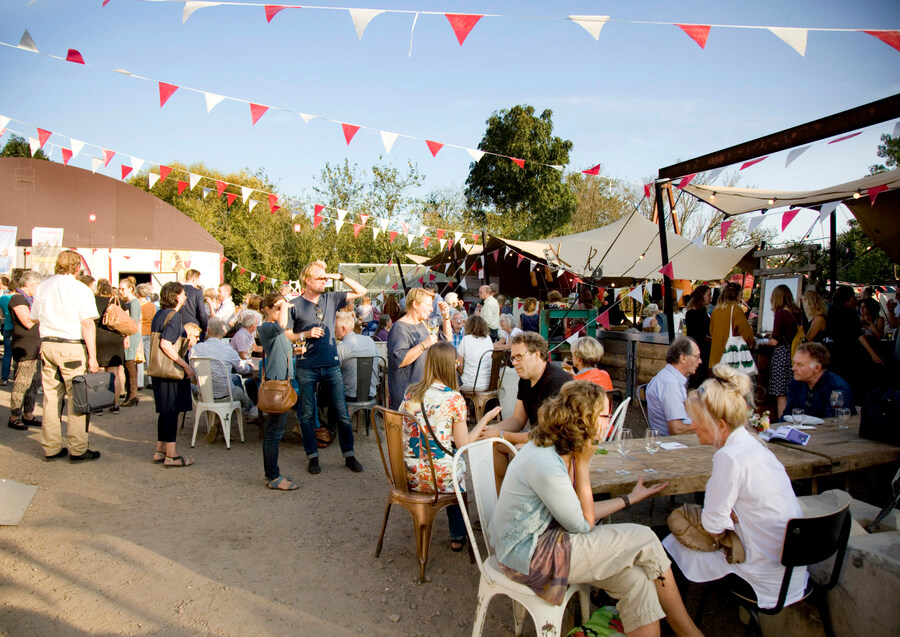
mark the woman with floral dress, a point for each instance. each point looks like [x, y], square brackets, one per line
[445, 410]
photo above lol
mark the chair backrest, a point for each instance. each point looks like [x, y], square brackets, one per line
[365, 367]
[391, 428]
[498, 367]
[642, 402]
[203, 367]
[479, 459]
[617, 418]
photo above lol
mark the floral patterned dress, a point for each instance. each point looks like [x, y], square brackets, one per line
[444, 408]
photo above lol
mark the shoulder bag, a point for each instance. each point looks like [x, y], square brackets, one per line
[161, 366]
[275, 396]
[737, 353]
[118, 320]
[685, 524]
[93, 392]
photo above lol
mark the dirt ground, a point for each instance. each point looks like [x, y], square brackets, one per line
[121, 546]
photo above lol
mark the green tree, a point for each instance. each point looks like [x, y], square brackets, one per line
[521, 203]
[889, 150]
[598, 202]
[18, 147]
[859, 260]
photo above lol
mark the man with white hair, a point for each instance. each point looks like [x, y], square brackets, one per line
[452, 299]
[351, 347]
[490, 309]
[244, 340]
[457, 323]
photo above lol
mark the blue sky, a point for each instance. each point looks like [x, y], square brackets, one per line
[642, 97]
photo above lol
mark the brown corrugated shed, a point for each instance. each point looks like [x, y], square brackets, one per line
[48, 194]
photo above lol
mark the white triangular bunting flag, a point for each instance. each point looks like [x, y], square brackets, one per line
[252, 204]
[475, 154]
[212, 100]
[698, 241]
[137, 164]
[3, 121]
[77, 146]
[638, 294]
[306, 117]
[896, 130]
[375, 231]
[384, 224]
[574, 337]
[443, 242]
[794, 154]
[827, 209]
[342, 214]
[34, 144]
[712, 174]
[462, 283]
[246, 191]
[27, 43]
[795, 38]
[423, 230]
[560, 273]
[338, 225]
[252, 275]
[456, 236]
[194, 180]
[506, 254]
[194, 5]
[388, 140]
[678, 294]
[152, 178]
[590, 23]
[206, 192]
[233, 266]
[361, 19]
[558, 167]
[531, 265]
[754, 222]
[96, 162]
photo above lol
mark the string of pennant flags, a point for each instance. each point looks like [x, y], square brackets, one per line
[462, 24]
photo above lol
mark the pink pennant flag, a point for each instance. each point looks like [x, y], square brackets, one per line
[67, 155]
[427, 240]
[273, 203]
[850, 136]
[319, 208]
[519, 162]
[393, 235]
[43, 136]
[126, 170]
[519, 260]
[364, 219]
[891, 38]
[223, 260]
[874, 191]
[165, 92]
[462, 24]
[262, 278]
[272, 11]
[697, 32]
[647, 190]
[394, 287]
[747, 164]
[243, 270]
[422, 279]
[349, 131]
[274, 209]
[317, 219]
[592, 171]
[230, 197]
[681, 184]
[431, 277]
[440, 233]
[182, 186]
[74, 56]
[496, 256]
[107, 156]
[220, 187]
[357, 227]
[434, 147]
[164, 172]
[257, 111]
[724, 228]
[474, 237]
[667, 270]
[105, 2]
[603, 319]
[787, 217]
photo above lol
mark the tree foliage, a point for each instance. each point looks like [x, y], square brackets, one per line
[18, 147]
[521, 203]
[889, 150]
[599, 201]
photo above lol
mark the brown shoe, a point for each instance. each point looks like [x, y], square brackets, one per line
[131, 402]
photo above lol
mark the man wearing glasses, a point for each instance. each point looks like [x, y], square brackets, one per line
[667, 391]
[319, 369]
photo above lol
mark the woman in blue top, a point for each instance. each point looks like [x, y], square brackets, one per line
[544, 530]
[279, 366]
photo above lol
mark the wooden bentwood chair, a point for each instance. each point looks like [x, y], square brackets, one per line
[480, 398]
[422, 507]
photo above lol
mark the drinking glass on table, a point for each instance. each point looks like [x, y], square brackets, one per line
[652, 444]
[837, 400]
[797, 416]
[843, 417]
[623, 445]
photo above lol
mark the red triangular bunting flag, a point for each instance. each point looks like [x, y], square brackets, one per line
[434, 147]
[647, 189]
[840, 139]
[67, 155]
[164, 172]
[257, 111]
[317, 219]
[519, 162]
[125, 170]
[462, 24]
[231, 197]
[449, 244]
[603, 319]
[393, 236]
[787, 217]
[496, 255]
[724, 228]
[405, 227]
[891, 38]
[519, 260]
[223, 260]
[273, 204]
[220, 187]
[43, 136]
[427, 240]
[667, 270]
[364, 219]
[440, 233]
[262, 278]
[105, 2]
[874, 191]
[181, 186]
[107, 156]
[349, 131]
[165, 92]
[592, 171]
[747, 164]
[697, 32]
[357, 227]
[394, 287]
[272, 10]
[474, 237]
[74, 56]
[681, 184]
[431, 277]
[274, 209]
[319, 208]
[243, 270]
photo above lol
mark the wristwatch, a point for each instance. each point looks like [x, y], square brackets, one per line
[341, 277]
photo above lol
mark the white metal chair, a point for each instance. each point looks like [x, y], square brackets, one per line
[547, 617]
[617, 419]
[206, 404]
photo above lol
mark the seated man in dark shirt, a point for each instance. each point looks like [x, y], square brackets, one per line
[813, 383]
[539, 379]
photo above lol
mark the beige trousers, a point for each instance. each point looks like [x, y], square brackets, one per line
[61, 363]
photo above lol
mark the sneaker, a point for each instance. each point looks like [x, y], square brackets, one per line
[353, 464]
[87, 455]
[212, 433]
[115, 409]
[62, 453]
[313, 466]
[253, 413]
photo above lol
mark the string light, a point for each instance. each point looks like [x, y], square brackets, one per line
[857, 194]
[713, 197]
[771, 201]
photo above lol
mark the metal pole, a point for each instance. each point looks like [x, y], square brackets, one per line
[487, 271]
[664, 256]
[402, 278]
[832, 253]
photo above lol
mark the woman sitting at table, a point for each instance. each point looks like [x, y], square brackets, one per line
[748, 492]
[437, 394]
[544, 530]
[472, 349]
[586, 355]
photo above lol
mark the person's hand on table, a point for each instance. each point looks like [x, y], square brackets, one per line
[640, 492]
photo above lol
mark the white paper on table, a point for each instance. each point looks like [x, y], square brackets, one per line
[672, 445]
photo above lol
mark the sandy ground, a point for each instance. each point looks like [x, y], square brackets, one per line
[121, 546]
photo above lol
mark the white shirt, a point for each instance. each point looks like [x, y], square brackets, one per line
[472, 349]
[60, 304]
[226, 310]
[748, 479]
[490, 312]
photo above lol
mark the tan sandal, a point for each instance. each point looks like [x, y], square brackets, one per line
[178, 461]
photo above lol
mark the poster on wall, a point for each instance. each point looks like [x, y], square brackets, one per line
[7, 249]
[177, 261]
[46, 244]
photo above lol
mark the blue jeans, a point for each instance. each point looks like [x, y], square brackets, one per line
[331, 382]
[7, 353]
[457, 524]
[274, 434]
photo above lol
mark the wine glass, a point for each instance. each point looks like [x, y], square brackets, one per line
[623, 445]
[652, 444]
[433, 324]
[837, 400]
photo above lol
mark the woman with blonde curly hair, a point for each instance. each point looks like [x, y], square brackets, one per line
[748, 492]
[544, 529]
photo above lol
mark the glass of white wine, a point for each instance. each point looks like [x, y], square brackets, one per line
[623, 446]
[652, 444]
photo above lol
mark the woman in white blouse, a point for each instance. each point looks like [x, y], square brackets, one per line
[748, 492]
[471, 348]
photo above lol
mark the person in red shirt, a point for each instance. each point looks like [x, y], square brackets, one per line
[586, 355]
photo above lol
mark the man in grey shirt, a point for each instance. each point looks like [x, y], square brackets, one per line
[351, 346]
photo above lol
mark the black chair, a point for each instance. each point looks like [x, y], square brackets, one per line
[806, 541]
[365, 367]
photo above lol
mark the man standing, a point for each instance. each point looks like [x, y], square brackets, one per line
[811, 388]
[667, 391]
[64, 309]
[490, 309]
[352, 346]
[225, 311]
[312, 321]
[194, 309]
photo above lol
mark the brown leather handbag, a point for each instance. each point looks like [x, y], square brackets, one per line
[161, 366]
[685, 524]
[275, 396]
[118, 320]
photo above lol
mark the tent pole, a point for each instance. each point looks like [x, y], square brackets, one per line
[487, 271]
[402, 278]
[664, 256]
[832, 253]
